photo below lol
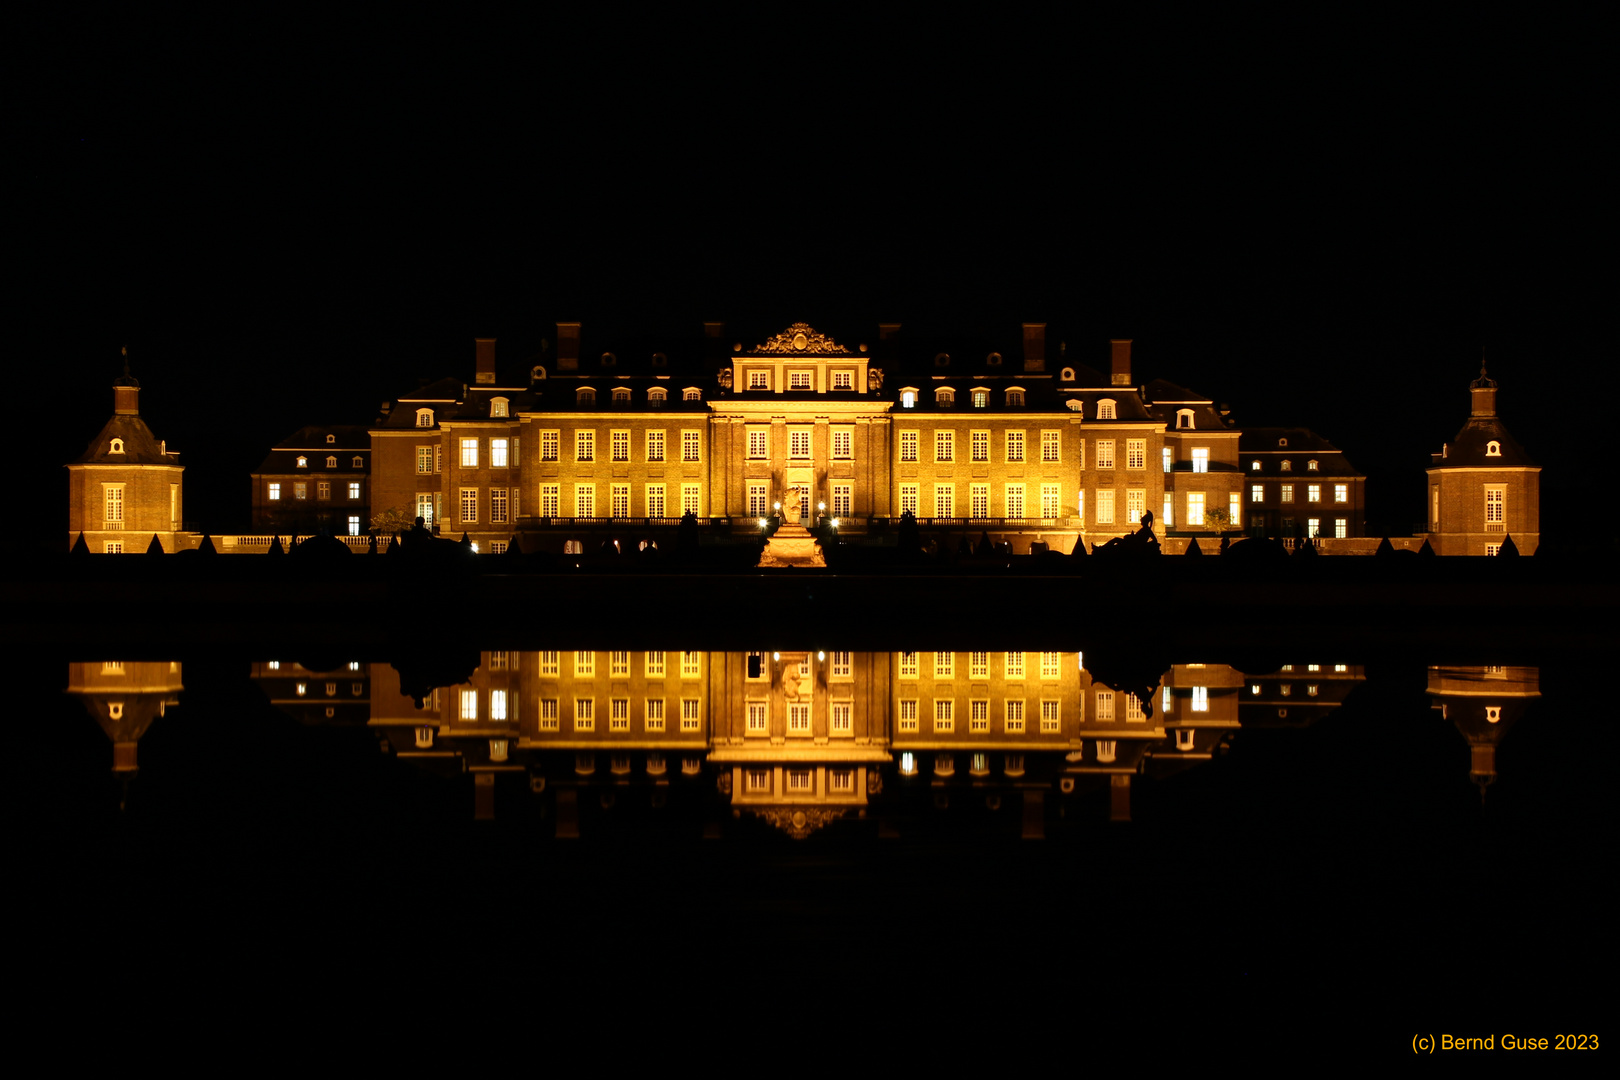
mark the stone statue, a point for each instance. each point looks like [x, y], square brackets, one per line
[791, 508]
[790, 682]
[874, 378]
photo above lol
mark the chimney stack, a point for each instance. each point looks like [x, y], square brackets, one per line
[887, 330]
[485, 347]
[1121, 360]
[1034, 346]
[568, 346]
[714, 329]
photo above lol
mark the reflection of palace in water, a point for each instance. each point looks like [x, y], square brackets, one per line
[801, 739]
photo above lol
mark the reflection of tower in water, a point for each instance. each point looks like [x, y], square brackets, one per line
[1483, 702]
[124, 697]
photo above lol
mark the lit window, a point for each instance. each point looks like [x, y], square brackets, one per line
[981, 398]
[469, 705]
[908, 446]
[497, 406]
[1313, 527]
[1287, 466]
[1341, 528]
[653, 718]
[1310, 466]
[1200, 459]
[1288, 493]
[1257, 493]
[799, 380]
[691, 445]
[1195, 508]
[1200, 699]
[303, 462]
[354, 490]
[354, 524]
[424, 417]
[907, 720]
[1105, 453]
[585, 445]
[1254, 466]
[908, 399]
[1014, 665]
[1313, 493]
[1050, 445]
[1013, 716]
[584, 714]
[300, 490]
[301, 689]
[497, 704]
[1311, 689]
[843, 442]
[945, 715]
[944, 446]
[274, 495]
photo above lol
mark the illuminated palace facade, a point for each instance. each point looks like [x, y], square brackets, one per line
[1023, 448]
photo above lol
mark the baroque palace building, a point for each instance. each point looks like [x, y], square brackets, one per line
[1025, 449]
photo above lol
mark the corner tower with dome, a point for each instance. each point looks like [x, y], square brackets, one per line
[1483, 487]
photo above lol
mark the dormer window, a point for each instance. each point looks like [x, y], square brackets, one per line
[658, 395]
[942, 360]
[1282, 444]
[331, 461]
[981, 398]
[908, 398]
[1493, 449]
[1105, 409]
[621, 395]
[499, 406]
[1184, 420]
[585, 396]
[1287, 466]
[1067, 374]
[1015, 397]
[330, 439]
[1310, 466]
[993, 360]
[660, 360]
[843, 380]
[537, 373]
[759, 379]
[359, 462]
[691, 393]
[424, 417]
[303, 462]
[117, 447]
[1077, 406]
[609, 360]
[1254, 466]
[944, 397]
[800, 380]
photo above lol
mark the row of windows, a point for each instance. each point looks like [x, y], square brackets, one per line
[759, 378]
[655, 665]
[1016, 506]
[300, 490]
[761, 505]
[799, 443]
[617, 714]
[1286, 466]
[944, 665]
[839, 781]
[332, 462]
[1313, 493]
[1049, 716]
[585, 446]
[840, 718]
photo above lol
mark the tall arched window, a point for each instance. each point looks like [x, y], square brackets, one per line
[1105, 409]
[424, 417]
[499, 406]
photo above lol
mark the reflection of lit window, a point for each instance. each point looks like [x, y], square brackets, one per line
[908, 764]
[1184, 739]
[497, 750]
[1014, 765]
[757, 780]
[841, 781]
[301, 689]
[799, 780]
[1105, 750]
[424, 737]
[1310, 689]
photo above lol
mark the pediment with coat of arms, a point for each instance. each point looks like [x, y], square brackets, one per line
[801, 339]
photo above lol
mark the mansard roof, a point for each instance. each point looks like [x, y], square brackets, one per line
[1469, 449]
[140, 446]
[1298, 446]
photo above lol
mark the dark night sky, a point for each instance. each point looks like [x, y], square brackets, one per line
[1322, 226]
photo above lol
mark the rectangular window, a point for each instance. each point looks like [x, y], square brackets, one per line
[1051, 721]
[798, 719]
[757, 718]
[1135, 505]
[944, 665]
[907, 719]
[584, 446]
[469, 453]
[979, 446]
[1015, 500]
[424, 459]
[944, 446]
[549, 443]
[497, 506]
[1050, 666]
[759, 500]
[548, 714]
[908, 446]
[424, 507]
[1201, 459]
[799, 380]
[979, 715]
[908, 499]
[584, 714]
[1051, 504]
[689, 714]
[1288, 493]
[843, 444]
[469, 705]
[469, 505]
[908, 665]
[1105, 453]
[620, 500]
[619, 664]
[654, 717]
[655, 445]
[1495, 502]
[843, 500]
[354, 491]
[979, 500]
[799, 443]
[584, 500]
[1051, 444]
[323, 490]
[619, 445]
[1014, 666]
[978, 665]
[655, 664]
[1313, 527]
[843, 380]
[841, 721]
[1136, 453]
[274, 492]
[1257, 493]
[354, 524]
[1341, 528]
[1341, 493]
[619, 714]
[691, 446]
[1195, 508]
[1015, 446]
[1133, 710]
[584, 664]
[759, 379]
[1200, 699]
[944, 501]
[550, 501]
[1313, 493]
[1234, 510]
[655, 500]
[756, 443]
[1105, 507]
[300, 490]
[691, 665]
[1168, 458]
[843, 665]
[692, 499]
[497, 454]
[945, 715]
[1013, 716]
[1105, 705]
[550, 662]
[1080, 506]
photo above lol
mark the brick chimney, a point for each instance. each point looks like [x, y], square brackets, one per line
[126, 392]
[887, 330]
[568, 346]
[1034, 346]
[1121, 348]
[485, 348]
